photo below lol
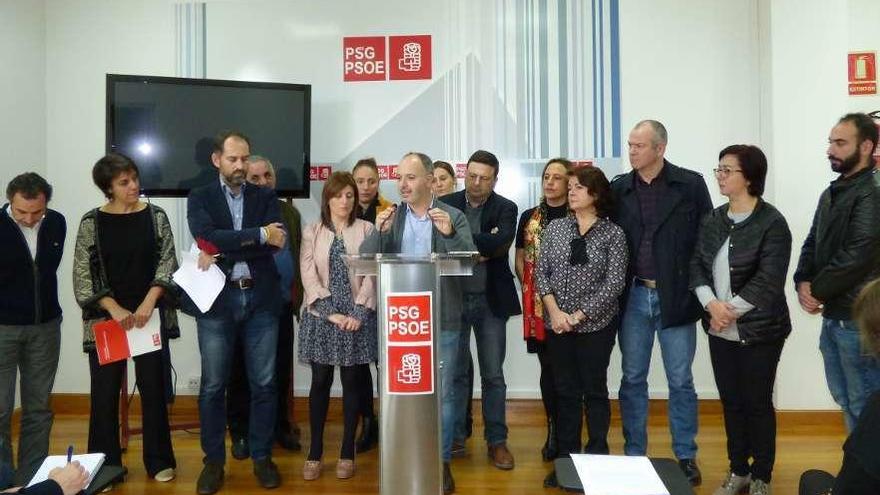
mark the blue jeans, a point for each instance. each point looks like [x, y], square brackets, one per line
[449, 349]
[491, 334]
[852, 375]
[258, 330]
[641, 320]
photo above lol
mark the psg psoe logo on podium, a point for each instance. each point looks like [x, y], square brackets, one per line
[409, 333]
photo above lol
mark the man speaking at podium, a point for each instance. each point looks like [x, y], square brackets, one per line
[421, 226]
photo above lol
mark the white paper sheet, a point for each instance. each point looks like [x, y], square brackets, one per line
[147, 338]
[618, 475]
[203, 287]
[91, 462]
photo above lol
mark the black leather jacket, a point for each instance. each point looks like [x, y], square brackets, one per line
[759, 252]
[842, 251]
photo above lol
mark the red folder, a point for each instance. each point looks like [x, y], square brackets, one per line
[110, 342]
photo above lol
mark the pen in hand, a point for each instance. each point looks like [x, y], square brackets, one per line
[69, 453]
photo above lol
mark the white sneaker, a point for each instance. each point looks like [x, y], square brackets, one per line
[733, 484]
[165, 475]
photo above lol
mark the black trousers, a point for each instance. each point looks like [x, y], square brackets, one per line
[365, 391]
[238, 393]
[547, 382]
[580, 372]
[319, 402]
[104, 411]
[745, 375]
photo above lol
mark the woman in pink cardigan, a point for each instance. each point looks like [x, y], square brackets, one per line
[339, 317]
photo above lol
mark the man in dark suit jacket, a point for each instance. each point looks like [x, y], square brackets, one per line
[490, 298]
[659, 206]
[261, 172]
[237, 226]
[421, 227]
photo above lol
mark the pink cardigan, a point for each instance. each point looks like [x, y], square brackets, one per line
[315, 263]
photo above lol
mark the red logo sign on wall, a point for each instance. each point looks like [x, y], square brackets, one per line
[319, 172]
[408, 339]
[364, 58]
[409, 57]
[862, 72]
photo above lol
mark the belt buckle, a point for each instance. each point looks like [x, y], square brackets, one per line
[651, 284]
[243, 283]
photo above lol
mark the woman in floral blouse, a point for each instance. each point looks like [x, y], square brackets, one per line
[580, 274]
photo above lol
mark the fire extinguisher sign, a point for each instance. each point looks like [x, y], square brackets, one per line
[409, 350]
[862, 73]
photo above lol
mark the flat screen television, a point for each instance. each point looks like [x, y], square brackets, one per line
[166, 125]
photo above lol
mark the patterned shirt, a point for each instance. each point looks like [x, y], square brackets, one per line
[649, 196]
[594, 286]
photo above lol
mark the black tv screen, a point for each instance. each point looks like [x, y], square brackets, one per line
[166, 125]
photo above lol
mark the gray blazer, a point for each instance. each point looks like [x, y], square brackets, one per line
[460, 240]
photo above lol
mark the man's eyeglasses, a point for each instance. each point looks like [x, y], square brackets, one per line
[725, 171]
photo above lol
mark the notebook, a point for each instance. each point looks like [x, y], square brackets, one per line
[91, 462]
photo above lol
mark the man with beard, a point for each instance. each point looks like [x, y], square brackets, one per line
[839, 256]
[238, 226]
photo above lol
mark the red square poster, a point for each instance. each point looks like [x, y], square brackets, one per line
[363, 58]
[408, 318]
[409, 57]
[862, 73]
[410, 369]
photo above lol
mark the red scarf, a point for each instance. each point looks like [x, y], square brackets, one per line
[533, 307]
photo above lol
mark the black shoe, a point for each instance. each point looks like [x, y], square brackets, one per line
[448, 482]
[550, 481]
[550, 450]
[267, 473]
[240, 448]
[288, 440]
[691, 471]
[369, 434]
[211, 479]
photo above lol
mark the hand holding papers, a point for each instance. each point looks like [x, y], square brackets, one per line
[202, 287]
[618, 475]
[114, 343]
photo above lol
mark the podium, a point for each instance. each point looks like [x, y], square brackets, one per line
[408, 310]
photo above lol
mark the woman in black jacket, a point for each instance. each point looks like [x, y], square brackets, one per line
[738, 273]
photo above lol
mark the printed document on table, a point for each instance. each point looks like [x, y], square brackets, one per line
[618, 475]
[202, 287]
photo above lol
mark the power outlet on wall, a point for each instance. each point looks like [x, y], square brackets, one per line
[193, 383]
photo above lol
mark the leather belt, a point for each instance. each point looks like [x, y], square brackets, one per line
[651, 284]
[242, 283]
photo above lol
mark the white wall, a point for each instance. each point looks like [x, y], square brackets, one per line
[22, 96]
[715, 72]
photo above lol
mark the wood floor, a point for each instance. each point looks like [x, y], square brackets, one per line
[805, 440]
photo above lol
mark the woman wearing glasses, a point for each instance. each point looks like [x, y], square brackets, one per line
[738, 273]
[580, 275]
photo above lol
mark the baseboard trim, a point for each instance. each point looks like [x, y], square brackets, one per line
[185, 408]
